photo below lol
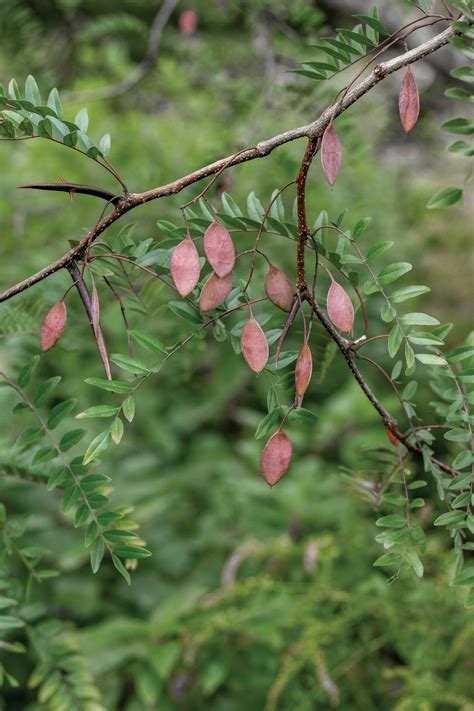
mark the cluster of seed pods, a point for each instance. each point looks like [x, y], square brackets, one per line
[220, 253]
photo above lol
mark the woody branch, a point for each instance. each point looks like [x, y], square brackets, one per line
[311, 131]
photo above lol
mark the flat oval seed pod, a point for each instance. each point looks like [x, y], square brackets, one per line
[340, 308]
[53, 325]
[254, 346]
[330, 154]
[391, 437]
[275, 458]
[219, 248]
[409, 101]
[214, 292]
[303, 372]
[278, 288]
[185, 266]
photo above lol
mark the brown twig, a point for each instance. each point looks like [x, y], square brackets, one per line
[303, 229]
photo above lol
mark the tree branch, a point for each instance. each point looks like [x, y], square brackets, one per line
[311, 130]
[303, 229]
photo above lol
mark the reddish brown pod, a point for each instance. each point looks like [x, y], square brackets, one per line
[340, 308]
[278, 288]
[409, 101]
[331, 154]
[276, 458]
[254, 345]
[53, 325]
[391, 437]
[303, 373]
[214, 292]
[185, 266]
[187, 22]
[219, 248]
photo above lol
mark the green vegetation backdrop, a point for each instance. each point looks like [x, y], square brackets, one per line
[254, 598]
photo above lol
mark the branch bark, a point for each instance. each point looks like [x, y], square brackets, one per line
[312, 130]
[303, 229]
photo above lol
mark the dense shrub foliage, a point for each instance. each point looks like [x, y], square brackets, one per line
[294, 309]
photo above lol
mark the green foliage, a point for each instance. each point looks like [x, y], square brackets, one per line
[346, 48]
[279, 597]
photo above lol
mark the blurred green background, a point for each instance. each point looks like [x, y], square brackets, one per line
[254, 598]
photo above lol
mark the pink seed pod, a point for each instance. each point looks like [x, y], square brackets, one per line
[185, 266]
[254, 346]
[53, 325]
[392, 437]
[214, 292]
[303, 372]
[340, 308]
[408, 101]
[275, 458]
[330, 154]
[278, 288]
[219, 248]
[187, 22]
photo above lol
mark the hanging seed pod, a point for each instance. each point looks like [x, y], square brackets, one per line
[409, 101]
[391, 437]
[254, 345]
[330, 154]
[214, 292]
[53, 325]
[185, 266]
[219, 248]
[278, 288]
[275, 458]
[303, 372]
[340, 308]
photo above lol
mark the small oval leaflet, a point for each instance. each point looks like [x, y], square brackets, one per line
[185, 266]
[409, 101]
[214, 292]
[254, 345]
[219, 248]
[275, 458]
[303, 372]
[278, 288]
[340, 308]
[53, 325]
[330, 154]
